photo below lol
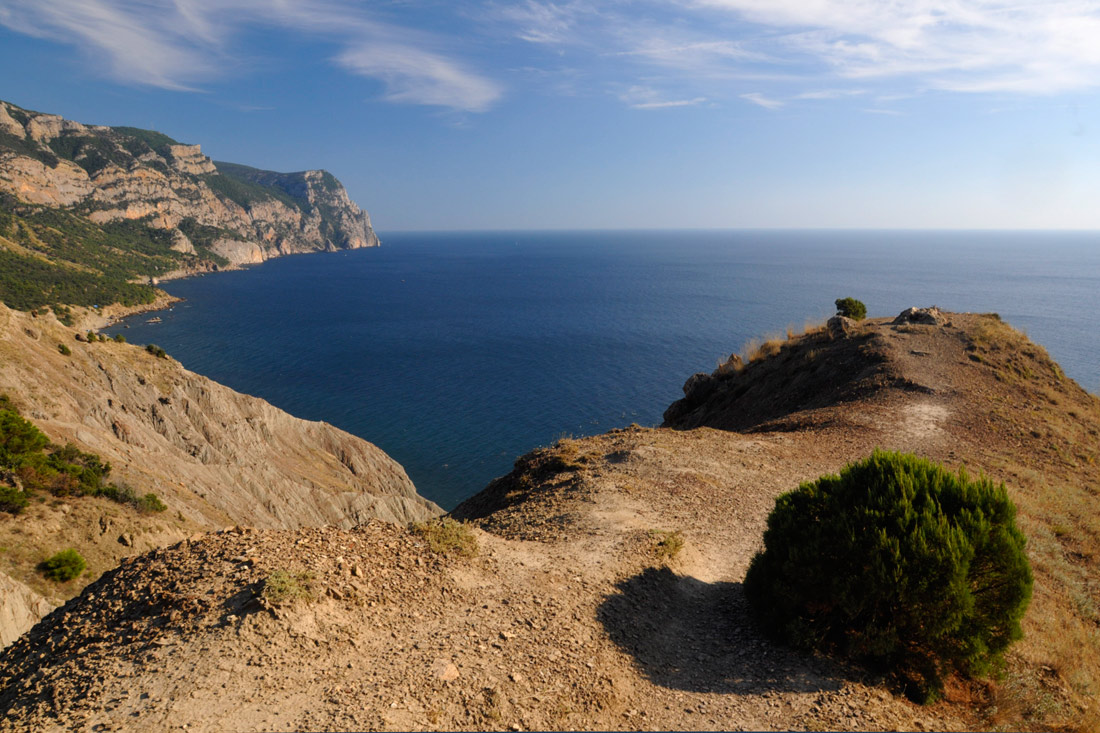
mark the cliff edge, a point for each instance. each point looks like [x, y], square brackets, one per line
[606, 590]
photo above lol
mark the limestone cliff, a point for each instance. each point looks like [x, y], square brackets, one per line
[221, 212]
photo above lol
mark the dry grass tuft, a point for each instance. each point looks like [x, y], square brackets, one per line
[756, 349]
[446, 536]
[667, 544]
[284, 588]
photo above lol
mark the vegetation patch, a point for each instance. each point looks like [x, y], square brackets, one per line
[30, 463]
[667, 545]
[12, 500]
[446, 536]
[140, 141]
[64, 566]
[284, 588]
[60, 257]
[246, 186]
[896, 562]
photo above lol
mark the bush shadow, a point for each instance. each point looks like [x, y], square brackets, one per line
[685, 634]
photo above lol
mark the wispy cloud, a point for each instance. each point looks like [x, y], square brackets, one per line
[768, 52]
[642, 97]
[419, 77]
[831, 94]
[966, 46]
[181, 44]
[760, 99]
[671, 103]
[550, 23]
[956, 45]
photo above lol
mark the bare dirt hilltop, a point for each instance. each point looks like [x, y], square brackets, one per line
[605, 593]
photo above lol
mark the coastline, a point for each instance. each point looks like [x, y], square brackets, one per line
[85, 318]
[95, 319]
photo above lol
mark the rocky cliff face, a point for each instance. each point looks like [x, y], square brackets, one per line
[214, 455]
[111, 174]
[22, 608]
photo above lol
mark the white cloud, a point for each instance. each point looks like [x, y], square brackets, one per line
[643, 97]
[958, 45]
[831, 94]
[179, 44]
[670, 103]
[688, 53]
[692, 49]
[545, 22]
[1014, 46]
[760, 99]
[420, 78]
[667, 105]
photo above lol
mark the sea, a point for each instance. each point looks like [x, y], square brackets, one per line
[457, 352]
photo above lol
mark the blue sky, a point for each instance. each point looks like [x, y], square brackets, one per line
[617, 114]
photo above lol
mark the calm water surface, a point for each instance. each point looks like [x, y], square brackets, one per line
[456, 352]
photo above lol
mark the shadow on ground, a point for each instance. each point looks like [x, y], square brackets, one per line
[685, 634]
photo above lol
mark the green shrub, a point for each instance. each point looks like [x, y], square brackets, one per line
[18, 437]
[156, 351]
[150, 504]
[851, 308]
[897, 562]
[64, 566]
[65, 350]
[119, 338]
[12, 500]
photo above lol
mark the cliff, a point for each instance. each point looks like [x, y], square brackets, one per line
[606, 592]
[215, 457]
[123, 204]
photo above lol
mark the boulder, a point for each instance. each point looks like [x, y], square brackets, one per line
[22, 608]
[840, 326]
[699, 386]
[921, 316]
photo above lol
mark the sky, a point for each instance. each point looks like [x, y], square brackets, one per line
[578, 114]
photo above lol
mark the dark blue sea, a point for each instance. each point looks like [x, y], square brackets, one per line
[457, 352]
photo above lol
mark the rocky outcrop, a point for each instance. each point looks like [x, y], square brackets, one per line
[840, 326]
[33, 181]
[114, 174]
[212, 454]
[20, 610]
[238, 252]
[189, 159]
[931, 316]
